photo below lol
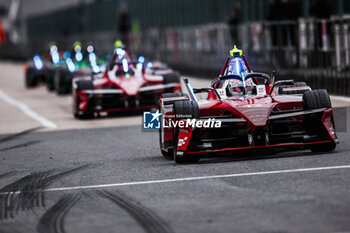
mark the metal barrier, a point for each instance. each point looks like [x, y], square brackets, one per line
[316, 51]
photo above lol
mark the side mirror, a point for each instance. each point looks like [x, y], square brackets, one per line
[273, 77]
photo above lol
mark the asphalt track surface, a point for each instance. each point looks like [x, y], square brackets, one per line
[108, 176]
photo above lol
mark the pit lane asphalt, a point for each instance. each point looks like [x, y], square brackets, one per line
[34, 159]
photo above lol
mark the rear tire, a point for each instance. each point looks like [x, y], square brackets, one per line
[83, 85]
[313, 100]
[30, 79]
[171, 78]
[50, 80]
[63, 82]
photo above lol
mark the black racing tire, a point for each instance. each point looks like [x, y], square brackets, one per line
[185, 109]
[31, 78]
[63, 82]
[313, 100]
[300, 84]
[81, 86]
[167, 95]
[85, 85]
[171, 78]
[50, 80]
[316, 99]
[182, 110]
[326, 147]
[58, 79]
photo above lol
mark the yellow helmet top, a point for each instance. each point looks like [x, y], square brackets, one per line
[52, 43]
[77, 46]
[118, 44]
[236, 52]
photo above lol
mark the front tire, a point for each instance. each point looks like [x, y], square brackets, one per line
[168, 153]
[190, 110]
[326, 147]
[313, 100]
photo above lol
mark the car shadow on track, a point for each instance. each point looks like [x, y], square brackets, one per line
[239, 158]
[226, 158]
[222, 158]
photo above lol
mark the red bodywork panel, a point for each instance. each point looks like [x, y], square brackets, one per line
[255, 111]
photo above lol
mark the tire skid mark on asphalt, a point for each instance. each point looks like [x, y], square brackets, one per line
[147, 219]
[20, 145]
[31, 191]
[7, 174]
[52, 220]
[17, 135]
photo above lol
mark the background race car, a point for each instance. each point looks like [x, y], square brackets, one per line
[41, 69]
[78, 63]
[126, 85]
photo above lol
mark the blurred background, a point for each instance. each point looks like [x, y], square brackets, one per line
[305, 39]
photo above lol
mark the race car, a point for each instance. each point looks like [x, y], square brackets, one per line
[245, 112]
[125, 85]
[78, 63]
[41, 69]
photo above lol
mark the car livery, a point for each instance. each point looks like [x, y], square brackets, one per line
[126, 85]
[256, 114]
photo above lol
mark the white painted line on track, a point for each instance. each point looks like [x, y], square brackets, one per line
[27, 111]
[340, 98]
[187, 179]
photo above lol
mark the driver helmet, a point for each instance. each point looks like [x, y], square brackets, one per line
[249, 86]
[118, 44]
[77, 46]
[235, 87]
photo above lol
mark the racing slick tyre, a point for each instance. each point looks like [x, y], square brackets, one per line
[313, 100]
[187, 109]
[171, 78]
[30, 79]
[81, 86]
[63, 82]
[50, 80]
[295, 92]
[167, 95]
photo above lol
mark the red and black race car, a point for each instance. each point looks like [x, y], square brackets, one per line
[245, 111]
[126, 85]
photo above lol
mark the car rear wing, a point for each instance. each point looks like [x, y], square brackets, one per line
[171, 100]
[141, 90]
